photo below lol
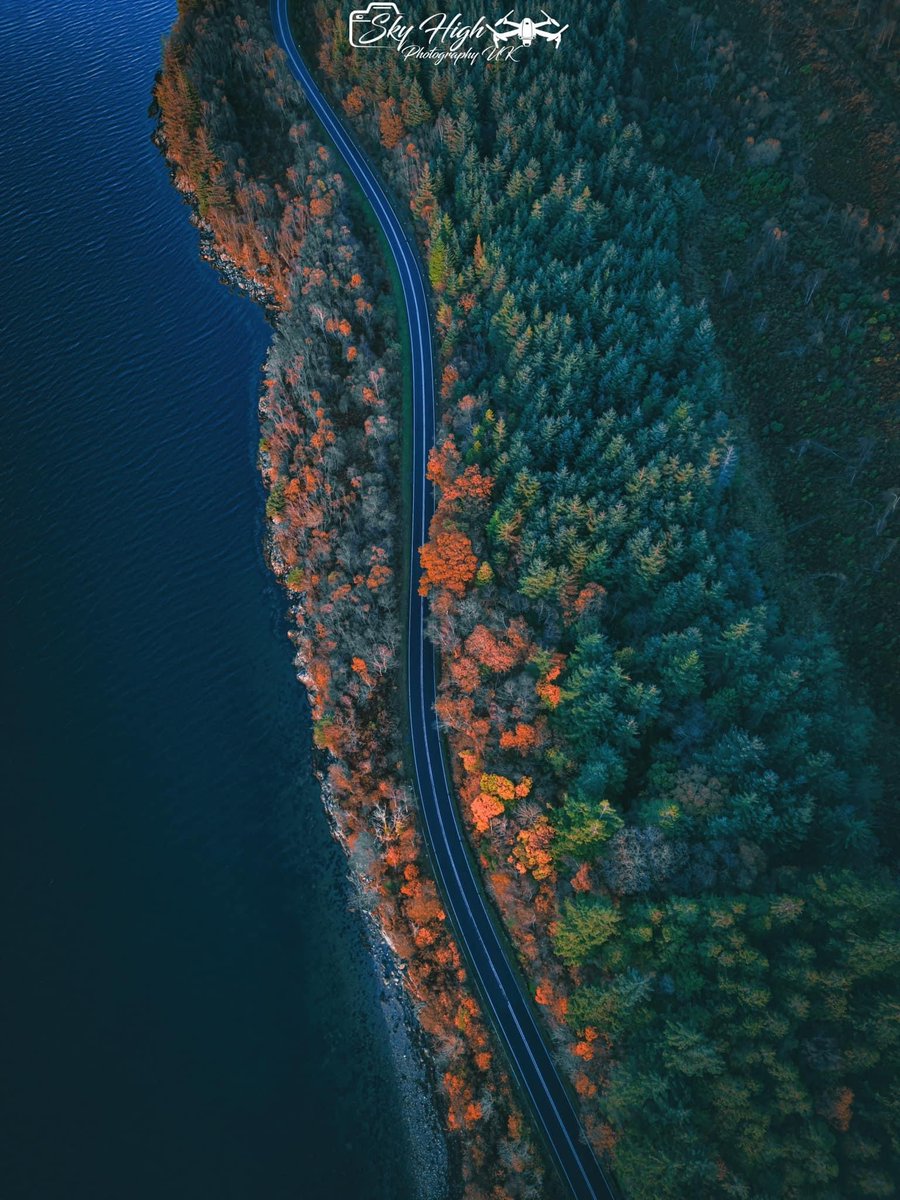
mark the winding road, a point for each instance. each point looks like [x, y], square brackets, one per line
[510, 1010]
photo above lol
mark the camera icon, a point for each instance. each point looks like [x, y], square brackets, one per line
[370, 26]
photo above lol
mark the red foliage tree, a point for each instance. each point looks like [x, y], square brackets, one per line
[447, 561]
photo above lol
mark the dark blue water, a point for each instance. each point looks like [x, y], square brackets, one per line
[190, 1011]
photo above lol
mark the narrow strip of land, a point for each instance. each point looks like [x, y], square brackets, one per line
[510, 1010]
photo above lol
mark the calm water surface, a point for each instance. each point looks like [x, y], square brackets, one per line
[190, 1009]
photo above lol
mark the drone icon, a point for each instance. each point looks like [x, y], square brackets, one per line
[527, 30]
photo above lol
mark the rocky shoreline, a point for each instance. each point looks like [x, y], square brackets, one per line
[413, 1060]
[412, 1057]
[429, 1151]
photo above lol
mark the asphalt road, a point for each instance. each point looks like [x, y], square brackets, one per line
[510, 1010]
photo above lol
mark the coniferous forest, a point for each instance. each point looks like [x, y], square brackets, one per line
[663, 345]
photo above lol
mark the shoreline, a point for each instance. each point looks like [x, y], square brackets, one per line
[430, 1152]
[413, 1062]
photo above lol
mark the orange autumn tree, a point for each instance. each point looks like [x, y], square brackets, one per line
[523, 738]
[447, 561]
[390, 124]
[484, 808]
[531, 852]
[495, 792]
[444, 473]
[495, 652]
